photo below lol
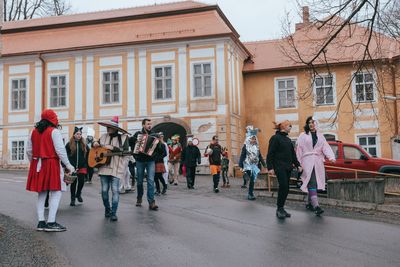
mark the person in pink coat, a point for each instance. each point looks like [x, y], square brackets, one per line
[312, 149]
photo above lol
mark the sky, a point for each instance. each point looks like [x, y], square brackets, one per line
[253, 19]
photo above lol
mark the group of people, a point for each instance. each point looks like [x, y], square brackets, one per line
[160, 163]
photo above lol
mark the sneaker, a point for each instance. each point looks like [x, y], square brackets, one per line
[55, 227]
[243, 186]
[114, 218]
[251, 197]
[153, 206]
[42, 225]
[216, 190]
[318, 211]
[139, 202]
[175, 183]
[72, 204]
[280, 213]
[310, 207]
[164, 191]
[80, 200]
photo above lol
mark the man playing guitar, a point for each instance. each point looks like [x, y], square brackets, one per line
[111, 173]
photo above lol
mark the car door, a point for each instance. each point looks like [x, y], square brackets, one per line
[354, 158]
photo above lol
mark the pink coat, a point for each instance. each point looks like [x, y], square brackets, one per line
[310, 158]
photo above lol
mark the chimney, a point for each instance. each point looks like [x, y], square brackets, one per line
[306, 19]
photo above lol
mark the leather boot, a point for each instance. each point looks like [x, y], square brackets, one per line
[139, 202]
[153, 206]
[280, 213]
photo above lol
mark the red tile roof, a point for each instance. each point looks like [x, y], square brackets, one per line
[167, 22]
[347, 47]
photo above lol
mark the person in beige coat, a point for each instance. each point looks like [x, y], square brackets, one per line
[111, 173]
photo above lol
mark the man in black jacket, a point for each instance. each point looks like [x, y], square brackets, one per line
[190, 158]
[281, 159]
[144, 161]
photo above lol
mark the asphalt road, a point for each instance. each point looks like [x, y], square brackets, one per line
[202, 228]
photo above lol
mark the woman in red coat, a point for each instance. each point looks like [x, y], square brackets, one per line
[46, 151]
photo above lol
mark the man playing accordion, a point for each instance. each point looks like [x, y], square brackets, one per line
[145, 145]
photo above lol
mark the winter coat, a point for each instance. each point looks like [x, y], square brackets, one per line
[281, 154]
[159, 153]
[141, 157]
[313, 158]
[79, 154]
[215, 157]
[243, 157]
[118, 164]
[191, 156]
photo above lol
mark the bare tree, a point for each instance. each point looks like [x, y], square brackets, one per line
[362, 33]
[28, 9]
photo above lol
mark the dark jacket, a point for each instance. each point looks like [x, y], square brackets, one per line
[281, 154]
[243, 154]
[191, 156]
[143, 157]
[79, 155]
[215, 157]
[162, 152]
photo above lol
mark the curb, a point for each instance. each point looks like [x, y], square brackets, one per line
[390, 208]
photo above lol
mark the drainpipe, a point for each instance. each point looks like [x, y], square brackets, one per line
[43, 82]
[396, 119]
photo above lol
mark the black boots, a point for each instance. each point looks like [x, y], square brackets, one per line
[281, 213]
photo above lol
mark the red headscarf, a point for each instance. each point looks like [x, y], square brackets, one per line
[50, 115]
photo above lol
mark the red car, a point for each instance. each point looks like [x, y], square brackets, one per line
[353, 156]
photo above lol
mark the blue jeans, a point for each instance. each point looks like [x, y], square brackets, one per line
[108, 181]
[150, 169]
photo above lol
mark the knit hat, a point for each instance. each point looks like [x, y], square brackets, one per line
[50, 115]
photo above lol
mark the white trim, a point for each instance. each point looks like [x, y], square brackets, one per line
[109, 112]
[182, 75]
[120, 82]
[18, 69]
[288, 116]
[370, 124]
[212, 66]
[10, 79]
[131, 84]
[38, 89]
[58, 66]
[167, 108]
[153, 84]
[1, 93]
[353, 86]
[110, 61]
[89, 87]
[162, 56]
[58, 74]
[276, 95]
[16, 118]
[201, 53]
[378, 141]
[78, 92]
[142, 82]
[323, 76]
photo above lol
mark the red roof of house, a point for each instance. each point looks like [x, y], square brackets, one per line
[168, 22]
[346, 48]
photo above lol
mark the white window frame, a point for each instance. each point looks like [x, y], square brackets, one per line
[153, 83]
[353, 85]
[377, 140]
[19, 77]
[276, 90]
[192, 85]
[11, 141]
[325, 75]
[57, 74]
[119, 103]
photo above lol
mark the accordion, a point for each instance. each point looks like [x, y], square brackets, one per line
[145, 144]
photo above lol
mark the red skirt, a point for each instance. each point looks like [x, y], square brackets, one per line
[160, 167]
[48, 178]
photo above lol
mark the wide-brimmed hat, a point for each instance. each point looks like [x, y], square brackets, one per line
[113, 123]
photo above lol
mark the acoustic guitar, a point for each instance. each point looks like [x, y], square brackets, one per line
[99, 156]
